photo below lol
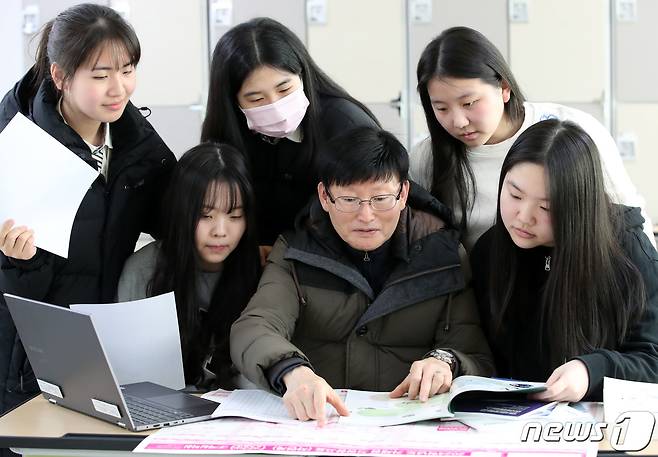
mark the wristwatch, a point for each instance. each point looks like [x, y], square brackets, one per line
[444, 356]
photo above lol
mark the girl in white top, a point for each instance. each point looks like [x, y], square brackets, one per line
[475, 111]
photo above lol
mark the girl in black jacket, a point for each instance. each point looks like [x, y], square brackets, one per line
[268, 98]
[79, 92]
[567, 283]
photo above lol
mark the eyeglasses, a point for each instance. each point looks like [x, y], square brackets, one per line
[347, 204]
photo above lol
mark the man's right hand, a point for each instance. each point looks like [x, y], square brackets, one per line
[17, 242]
[307, 394]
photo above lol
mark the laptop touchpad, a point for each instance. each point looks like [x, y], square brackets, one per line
[177, 401]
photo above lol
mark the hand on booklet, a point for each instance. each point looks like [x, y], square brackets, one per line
[307, 394]
[17, 242]
[426, 378]
[364, 407]
[568, 382]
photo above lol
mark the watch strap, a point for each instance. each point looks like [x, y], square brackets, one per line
[444, 356]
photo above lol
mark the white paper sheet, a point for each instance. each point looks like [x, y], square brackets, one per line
[621, 396]
[42, 183]
[263, 406]
[141, 339]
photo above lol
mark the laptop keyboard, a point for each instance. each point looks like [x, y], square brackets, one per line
[146, 412]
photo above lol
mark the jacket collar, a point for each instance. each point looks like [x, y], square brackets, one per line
[107, 136]
[44, 114]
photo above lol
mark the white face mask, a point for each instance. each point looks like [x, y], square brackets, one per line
[280, 118]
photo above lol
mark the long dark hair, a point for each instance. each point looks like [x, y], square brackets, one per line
[593, 292]
[191, 187]
[460, 52]
[77, 35]
[247, 46]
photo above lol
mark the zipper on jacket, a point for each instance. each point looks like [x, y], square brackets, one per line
[416, 275]
[347, 361]
[446, 328]
[422, 273]
[295, 279]
[547, 263]
[378, 369]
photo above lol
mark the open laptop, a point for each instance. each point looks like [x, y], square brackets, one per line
[72, 370]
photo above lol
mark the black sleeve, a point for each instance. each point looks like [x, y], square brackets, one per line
[480, 267]
[276, 372]
[27, 278]
[637, 357]
[7, 337]
[339, 115]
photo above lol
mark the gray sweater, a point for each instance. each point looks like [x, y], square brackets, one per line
[137, 272]
[139, 269]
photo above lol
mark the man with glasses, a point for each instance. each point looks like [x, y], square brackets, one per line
[368, 292]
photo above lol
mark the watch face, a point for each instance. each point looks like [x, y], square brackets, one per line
[444, 356]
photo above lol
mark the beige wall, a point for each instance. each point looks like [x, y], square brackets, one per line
[171, 71]
[560, 54]
[361, 46]
[641, 120]
[11, 51]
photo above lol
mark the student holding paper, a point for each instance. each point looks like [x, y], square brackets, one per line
[368, 292]
[208, 256]
[79, 92]
[268, 98]
[566, 281]
[475, 110]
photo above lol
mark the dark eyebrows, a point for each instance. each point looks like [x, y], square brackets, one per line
[256, 92]
[520, 190]
[129, 64]
[283, 83]
[210, 208]
[461, 97]
[511, 183]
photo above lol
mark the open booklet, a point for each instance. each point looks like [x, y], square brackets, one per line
[376, 408]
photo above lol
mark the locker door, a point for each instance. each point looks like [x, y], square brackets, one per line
[361, 46]
[561, 54]
[636, 88]
[172, 71]
[223, 14]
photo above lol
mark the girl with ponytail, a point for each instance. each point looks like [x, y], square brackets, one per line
[79, 92]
